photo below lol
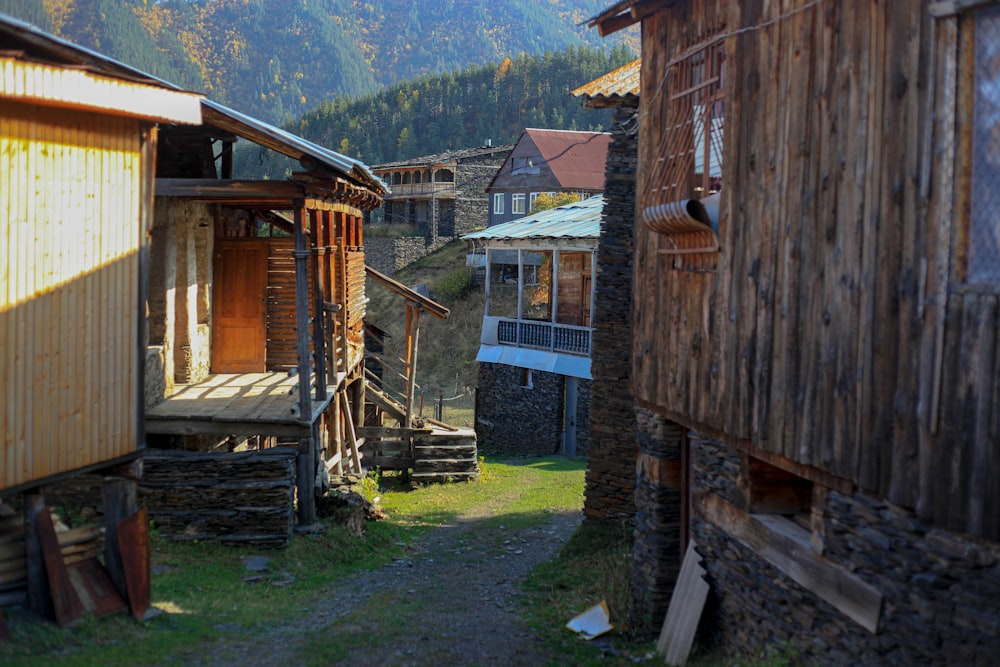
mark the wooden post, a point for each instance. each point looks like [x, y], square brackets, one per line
[39, 596]
[301, 255]
[412, 341]
[319, 339]
[119, 493]
[305, 474]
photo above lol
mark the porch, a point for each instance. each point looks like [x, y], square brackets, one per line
[239, 404]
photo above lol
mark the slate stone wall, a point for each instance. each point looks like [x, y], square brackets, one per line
[389, 255]
[611, 454]
[515, 420]
[940, 589]
[656, 551]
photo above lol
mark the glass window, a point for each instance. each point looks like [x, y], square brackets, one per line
[498, 203]
[517, 203]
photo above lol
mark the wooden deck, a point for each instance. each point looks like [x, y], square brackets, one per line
[236, 404]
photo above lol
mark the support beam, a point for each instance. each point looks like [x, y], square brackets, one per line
[119, 493]
[39, 599]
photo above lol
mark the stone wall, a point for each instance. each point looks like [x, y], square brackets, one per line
[389, 255]
[179, 294]
[656, 554]
[940, 590]
[610, 480]
[515, 420]
[234, 498]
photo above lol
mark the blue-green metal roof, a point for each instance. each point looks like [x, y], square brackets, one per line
[579, 220]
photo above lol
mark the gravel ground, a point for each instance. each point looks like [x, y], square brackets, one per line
[450, 601]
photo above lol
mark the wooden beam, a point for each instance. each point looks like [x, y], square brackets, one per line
[787, 547]
[946, 8]
[431, 306]
[214, 427]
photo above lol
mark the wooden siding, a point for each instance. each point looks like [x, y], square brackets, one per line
[281, 337]
[836, 331]
[70, 188]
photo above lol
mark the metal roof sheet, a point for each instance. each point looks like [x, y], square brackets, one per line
[579, 220]
[291, 145]
[618, 83]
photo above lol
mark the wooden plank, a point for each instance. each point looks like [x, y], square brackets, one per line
[787, 547]
[66, 603]
[946, 8]
[686, 605]
[133, 542]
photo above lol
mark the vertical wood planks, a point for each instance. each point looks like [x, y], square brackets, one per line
[69, 295]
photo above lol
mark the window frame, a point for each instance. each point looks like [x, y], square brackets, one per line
[518, 198]
[498, 203]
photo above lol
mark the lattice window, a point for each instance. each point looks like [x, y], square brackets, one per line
[682, 203]
[984, 219]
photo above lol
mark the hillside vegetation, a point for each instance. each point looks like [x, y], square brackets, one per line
[446, 362]
[278, 60]
[455, 110]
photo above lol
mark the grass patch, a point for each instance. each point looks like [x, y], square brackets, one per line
[201, 586]
[594, 565]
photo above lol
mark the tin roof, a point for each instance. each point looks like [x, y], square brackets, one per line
[579, 220]
[306, 152]
[617, 84]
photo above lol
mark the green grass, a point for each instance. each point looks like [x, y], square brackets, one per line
[200, 586]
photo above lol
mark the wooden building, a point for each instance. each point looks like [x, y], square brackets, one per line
[546, 161]
[78, 145]
[816, 311]
[257, 305]
[533, 392]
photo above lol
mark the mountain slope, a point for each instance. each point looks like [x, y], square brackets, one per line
[277, 60]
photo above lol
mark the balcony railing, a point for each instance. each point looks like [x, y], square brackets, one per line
[545, 336]
[438, 189]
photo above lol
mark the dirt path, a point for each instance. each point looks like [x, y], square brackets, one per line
[450, 601]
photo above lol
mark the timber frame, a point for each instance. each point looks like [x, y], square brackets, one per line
[314, 394]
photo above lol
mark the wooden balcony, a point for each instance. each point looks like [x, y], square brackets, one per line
[440, 190]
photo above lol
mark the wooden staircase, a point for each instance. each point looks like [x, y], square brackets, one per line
[427, 452]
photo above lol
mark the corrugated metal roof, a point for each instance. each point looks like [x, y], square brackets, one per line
[289, 144]
[619, 83]
[579, 220]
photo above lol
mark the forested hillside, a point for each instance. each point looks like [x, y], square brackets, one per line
[278, 60]
[453, 110]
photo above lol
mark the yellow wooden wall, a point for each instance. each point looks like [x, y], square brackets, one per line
[70, 196]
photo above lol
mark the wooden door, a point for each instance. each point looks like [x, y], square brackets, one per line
[238, 303]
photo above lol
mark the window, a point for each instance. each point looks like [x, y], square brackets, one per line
[531, 200]
[526, 379]
[984, 221]
[517, 203]
[498, 203]
[525, 165]
[682, 203]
